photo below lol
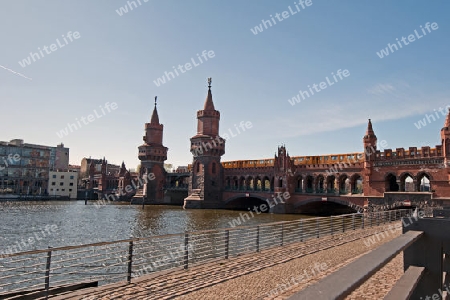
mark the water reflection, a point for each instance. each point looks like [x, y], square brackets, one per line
[81, 224]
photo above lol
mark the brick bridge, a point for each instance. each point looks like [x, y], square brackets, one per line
[368, 180]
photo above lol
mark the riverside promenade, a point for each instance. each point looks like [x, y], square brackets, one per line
[275, 273]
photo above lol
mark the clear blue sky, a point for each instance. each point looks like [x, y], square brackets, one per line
[117, 58]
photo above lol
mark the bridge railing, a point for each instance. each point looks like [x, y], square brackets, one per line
[43, 270]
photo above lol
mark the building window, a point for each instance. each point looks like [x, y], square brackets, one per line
[54, 176]
[63, 190]
[53, 183]
[70, 190]
[62, 176]
[57, 190]
[71, 176]
[51, 190]
[71, 184]
[61, 183]
[333, 157]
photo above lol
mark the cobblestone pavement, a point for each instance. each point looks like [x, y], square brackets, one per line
[265, 275]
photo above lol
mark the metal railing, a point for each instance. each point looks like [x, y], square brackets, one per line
[426, 248]
[110, 262]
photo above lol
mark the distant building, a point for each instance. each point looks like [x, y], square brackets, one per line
[63, 184]
[182, 169]
[24, 168]
[61, 161]
[86, 165]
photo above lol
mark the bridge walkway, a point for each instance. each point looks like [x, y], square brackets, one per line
[249, 276]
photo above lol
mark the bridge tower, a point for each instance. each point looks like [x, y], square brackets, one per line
[370, 148]
[152, 155]
[445, 139]
[207, 174]
[284, 170]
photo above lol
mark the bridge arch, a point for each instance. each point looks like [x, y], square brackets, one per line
[266, 186]
[320, 184]
[356, 183]
[406, 182]
[344, 184]
[309, 184]
[250, 183]
[299, 183]
[258, 183]
[423, 183]
[316, 206]
[390, 181]
[242, 183]
[241, 202]
[331, 186]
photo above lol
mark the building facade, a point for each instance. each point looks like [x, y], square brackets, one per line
[63, 184]
[24, 168]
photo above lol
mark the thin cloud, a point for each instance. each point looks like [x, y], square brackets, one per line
[17, 73]
[382, 89]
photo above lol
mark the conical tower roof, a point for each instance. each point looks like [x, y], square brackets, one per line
[209, 104]
[155, 117]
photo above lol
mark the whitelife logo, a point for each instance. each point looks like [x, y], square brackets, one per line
[281, 17]
[411, 38]
[89, 119]
[53, 47]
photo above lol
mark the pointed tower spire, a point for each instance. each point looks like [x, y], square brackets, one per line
[370, 142]
[447, 120]
[369, 131]
[209, 104]
[155, 117]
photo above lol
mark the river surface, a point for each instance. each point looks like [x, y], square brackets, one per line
[38, 225]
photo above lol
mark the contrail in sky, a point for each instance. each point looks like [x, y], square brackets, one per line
[17, 73]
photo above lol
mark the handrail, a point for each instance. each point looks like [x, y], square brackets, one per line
[341, 283]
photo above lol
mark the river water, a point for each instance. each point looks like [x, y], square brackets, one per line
[38, 225]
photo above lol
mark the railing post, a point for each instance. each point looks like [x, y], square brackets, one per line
[186, 250]
[257, 238]
[47, 272]
[378, 218]
[130, 261]
[362, 221]
[227, 243]
[343, 224]
[353, 221]
[282, 234]
[370, 218]
[390, 217]
[318, 226]
[331, 224]
[301, 230]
